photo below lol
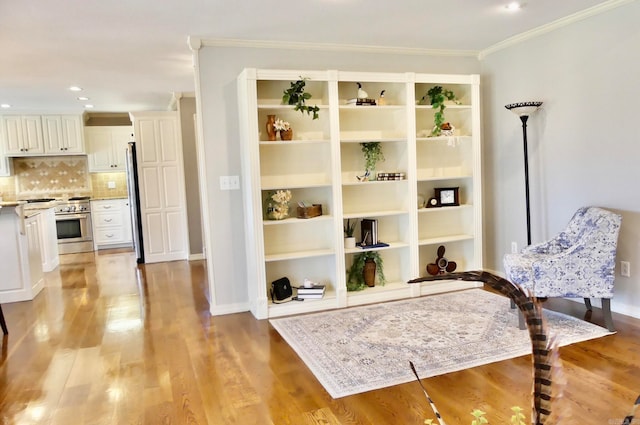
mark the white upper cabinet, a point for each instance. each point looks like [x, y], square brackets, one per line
[22, 135]
[106, 147]
[63, 134]
[36, 135]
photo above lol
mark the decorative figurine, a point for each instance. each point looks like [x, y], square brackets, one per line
[381, 100]
[361, 93]
[442, 265]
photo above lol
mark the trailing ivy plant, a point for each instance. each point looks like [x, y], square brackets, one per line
[355, 278]
[295, 95]
[372, 154]
[438, 96]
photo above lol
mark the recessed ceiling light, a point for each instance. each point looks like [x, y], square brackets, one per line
[513, 6]
[75, 88]
[5, 106]
[88, 106]
[83, 98]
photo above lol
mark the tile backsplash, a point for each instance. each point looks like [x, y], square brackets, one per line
[60, 177]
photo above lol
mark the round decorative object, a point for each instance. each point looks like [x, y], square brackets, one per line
[286, 134]
[441, 265]
[432, 202]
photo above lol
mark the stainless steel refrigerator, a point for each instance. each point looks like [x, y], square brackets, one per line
[134, 201]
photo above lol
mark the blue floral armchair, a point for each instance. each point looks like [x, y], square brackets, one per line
[578, 262]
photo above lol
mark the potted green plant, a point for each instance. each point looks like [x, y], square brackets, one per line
[356, 275]
[437, 97]
[372, 155]
[349, 239]
[295, 95]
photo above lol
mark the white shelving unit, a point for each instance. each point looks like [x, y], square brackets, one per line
[320, 165]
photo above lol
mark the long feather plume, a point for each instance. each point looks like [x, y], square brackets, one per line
[545, 356]
[426, 394]
[629, 418]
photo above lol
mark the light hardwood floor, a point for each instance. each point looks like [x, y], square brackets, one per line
[109, 343]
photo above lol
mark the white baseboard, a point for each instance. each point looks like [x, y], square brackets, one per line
[220, 310]
[194, 257]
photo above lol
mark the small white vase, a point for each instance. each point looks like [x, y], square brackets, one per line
[349, 242]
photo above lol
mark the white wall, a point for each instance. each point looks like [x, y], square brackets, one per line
[584, 145]
[218, 69]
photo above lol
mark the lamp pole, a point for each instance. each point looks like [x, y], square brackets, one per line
[523, 110]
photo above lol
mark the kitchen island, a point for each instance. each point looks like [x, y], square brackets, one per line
[21, 275]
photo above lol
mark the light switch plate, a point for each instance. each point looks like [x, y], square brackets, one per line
[111, 185]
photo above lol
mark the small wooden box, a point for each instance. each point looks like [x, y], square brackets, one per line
[309, 212]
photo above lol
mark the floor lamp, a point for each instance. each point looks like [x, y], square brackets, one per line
[523, 110]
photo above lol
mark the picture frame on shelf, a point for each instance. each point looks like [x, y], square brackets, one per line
[447, 196]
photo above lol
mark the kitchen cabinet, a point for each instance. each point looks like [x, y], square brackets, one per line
[106, 147]
[48, 239]
[20, 250]
[63, 134]
[5, 163]
[322, 165]
[111, 223]
[37, 135]
[22, 135]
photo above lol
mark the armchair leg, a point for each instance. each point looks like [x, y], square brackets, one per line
[606, 312]
[587, 302]
[521, 323]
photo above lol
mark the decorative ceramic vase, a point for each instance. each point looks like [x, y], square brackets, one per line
[286, 134]
[271, 131]
[349, 242]
[369, 272]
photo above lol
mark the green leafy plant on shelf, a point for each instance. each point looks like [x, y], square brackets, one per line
[355, 278]
[372, 154]
[295, 95]
[349, 228]
[437, 98]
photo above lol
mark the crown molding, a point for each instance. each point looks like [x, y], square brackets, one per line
[291, 45]
[552, 26]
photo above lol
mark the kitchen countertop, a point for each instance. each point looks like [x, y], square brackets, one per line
[11, 203]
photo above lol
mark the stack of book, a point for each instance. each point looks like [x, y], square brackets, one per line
[361, 101]
[314, 292]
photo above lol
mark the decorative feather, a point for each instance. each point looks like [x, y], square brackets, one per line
[629, 419]
[424, 390]
[546, 362]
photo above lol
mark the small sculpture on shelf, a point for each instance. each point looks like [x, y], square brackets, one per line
[441, 265]
[381, 99]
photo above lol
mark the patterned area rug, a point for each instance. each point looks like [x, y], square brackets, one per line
[365, 348]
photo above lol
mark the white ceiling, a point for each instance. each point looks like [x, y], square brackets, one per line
[131, 55]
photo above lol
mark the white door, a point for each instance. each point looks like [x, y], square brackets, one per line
[161, 180]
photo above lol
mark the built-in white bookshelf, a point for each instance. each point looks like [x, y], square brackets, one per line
[320, 165]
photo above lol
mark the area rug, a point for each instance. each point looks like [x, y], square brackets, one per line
[364, 348]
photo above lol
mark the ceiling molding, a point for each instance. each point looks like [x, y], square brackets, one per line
[552, 26]
[291, 45]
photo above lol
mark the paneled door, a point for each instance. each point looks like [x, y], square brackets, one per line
[161, 181]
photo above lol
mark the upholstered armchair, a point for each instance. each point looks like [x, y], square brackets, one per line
[579, 262]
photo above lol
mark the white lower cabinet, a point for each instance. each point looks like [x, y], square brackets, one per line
[111, 223]
[48, 239]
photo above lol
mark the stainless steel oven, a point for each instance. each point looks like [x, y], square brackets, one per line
[73, 225]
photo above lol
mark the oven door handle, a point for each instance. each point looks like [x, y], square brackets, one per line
[71, 217]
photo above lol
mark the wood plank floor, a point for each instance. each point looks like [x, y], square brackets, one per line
[109, 343]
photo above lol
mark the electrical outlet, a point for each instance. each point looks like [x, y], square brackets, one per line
[625, 268]
[111, 185]
[514, 247]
